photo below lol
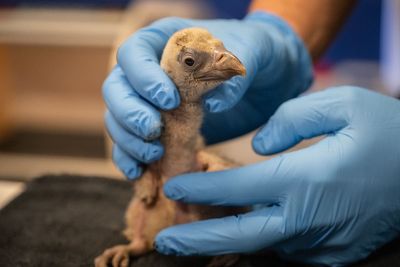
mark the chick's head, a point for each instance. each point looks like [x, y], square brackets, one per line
[197, 62]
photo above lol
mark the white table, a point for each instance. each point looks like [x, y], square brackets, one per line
[9, 190]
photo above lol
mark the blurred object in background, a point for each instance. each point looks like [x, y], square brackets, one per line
[359, 38]
[353, 57]
[228, 9]
[390, 50]
[220, 8]
[366, 52]
[66, 3]
[57, 61]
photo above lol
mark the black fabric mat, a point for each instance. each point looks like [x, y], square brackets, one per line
[68, 220]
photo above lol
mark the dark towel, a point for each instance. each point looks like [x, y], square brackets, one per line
[68, 221]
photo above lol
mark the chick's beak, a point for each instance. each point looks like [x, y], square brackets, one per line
[225, 65]
[228, 64]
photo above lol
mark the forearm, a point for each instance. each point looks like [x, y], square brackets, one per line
[315, 21]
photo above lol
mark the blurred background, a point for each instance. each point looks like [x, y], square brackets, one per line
[54, 56]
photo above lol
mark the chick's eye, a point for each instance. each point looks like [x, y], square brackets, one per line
[189, 61]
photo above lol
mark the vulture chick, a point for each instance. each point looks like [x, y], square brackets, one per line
[196, 62]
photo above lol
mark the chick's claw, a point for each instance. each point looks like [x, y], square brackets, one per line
[118, 256]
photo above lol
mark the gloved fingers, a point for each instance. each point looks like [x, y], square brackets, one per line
[129, 109]
[128, 165]
[139, 58]
[234, 234]
[137, 148]
[305, 117]
[226, 95]
[261, 183]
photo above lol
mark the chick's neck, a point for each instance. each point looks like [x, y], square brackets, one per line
[181, 138]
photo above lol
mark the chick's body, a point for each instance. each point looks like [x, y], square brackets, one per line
[197, 63]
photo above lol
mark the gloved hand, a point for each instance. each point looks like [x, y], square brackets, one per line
[278, 68]
[331, 203]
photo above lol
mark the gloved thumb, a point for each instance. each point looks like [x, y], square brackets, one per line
[305, 117]
[226, 95]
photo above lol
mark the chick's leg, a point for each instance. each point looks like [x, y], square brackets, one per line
[119, 255]
[139, 210]
[146, 187]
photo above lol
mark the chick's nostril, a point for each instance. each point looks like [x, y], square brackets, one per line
[220, 57]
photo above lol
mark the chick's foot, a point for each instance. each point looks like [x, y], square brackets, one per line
[209, 162]
[119, 255]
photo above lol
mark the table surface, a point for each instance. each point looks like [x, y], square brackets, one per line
[9, 190]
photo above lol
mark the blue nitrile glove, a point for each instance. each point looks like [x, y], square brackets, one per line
[278, 68]
[331, 203]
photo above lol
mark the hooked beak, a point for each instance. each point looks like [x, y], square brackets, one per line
[225, 66]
